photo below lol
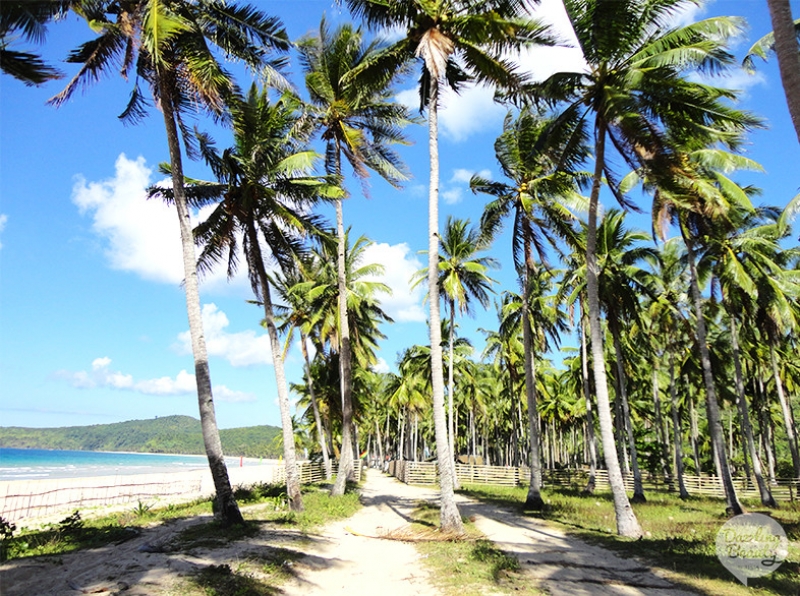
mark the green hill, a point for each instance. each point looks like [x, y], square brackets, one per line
[170, 434]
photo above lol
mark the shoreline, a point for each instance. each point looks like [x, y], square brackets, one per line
[38, 501]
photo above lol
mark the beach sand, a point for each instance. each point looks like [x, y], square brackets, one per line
[33, 503]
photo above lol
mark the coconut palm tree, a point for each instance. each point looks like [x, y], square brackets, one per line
[169, 46]
[462, 279]
[28, 19]
[783, 41]
[264, 191]
[540, 157]
[634, 90]
[456, 41]
[360, 121]
[620, 283]
[299, 314]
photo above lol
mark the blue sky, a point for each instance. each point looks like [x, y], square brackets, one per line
[92, 317]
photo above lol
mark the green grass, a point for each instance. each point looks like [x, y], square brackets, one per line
[679, 535]
[471, 566]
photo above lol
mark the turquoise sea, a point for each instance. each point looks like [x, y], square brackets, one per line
[33, 464]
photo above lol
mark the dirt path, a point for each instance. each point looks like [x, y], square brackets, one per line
[345, 558]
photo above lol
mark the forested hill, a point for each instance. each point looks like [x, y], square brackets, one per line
[169, 434]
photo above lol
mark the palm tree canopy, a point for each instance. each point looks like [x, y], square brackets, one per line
[145, 39]
[28, 19]
[455, 40]
[359, 117]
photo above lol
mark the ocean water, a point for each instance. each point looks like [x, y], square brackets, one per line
[33, 464]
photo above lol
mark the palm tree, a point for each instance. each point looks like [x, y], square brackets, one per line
[456, 41]
[539, 156]
[783, 41]
[168, 45]
[299, 314]
[621, 282]
[462, 279]
[635, 90]
[357, 119]
[264, 191]
[28, 19]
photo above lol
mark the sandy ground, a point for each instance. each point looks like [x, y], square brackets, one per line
[346, 557]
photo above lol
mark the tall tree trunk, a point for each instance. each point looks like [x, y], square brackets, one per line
[591, 483]
[766, 429]
[627, 524]
[676, 428]
[289, 457]
[693, 430]
[788, 422]
[780, 12]
[533, 500]
[638, 488]
[661, 431]
[449, 514]
[763, 489]
[712, 405]
[345, 471]
[321, 432]
[226, 510]
[450, 389]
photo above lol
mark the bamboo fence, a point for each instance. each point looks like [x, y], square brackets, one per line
[410, 472]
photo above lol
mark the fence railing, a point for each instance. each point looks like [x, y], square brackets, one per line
[26, 501]
[411, 472]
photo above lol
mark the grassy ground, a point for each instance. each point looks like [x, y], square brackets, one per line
[470, 566]
[256, 574]
[679, 535]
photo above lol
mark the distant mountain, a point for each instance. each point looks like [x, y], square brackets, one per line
[169, 434]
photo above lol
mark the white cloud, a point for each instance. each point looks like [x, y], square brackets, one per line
[541, 62]
[182, 384]
[381, 366]
[463, 176]
[452, 196]
[141, 235]
[244, 348]
[3, 222]
[399, 265]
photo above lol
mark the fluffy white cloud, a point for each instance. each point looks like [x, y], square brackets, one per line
[400, 264]
[183, 383]
[244, 348]
[452, 196]
[3, 222]
[463, 176]
[140, 235]
[381, 366]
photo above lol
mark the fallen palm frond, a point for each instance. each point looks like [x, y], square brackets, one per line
[417, 534]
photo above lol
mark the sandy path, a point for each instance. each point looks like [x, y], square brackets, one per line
[345, 557]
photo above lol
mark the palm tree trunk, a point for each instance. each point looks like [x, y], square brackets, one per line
[533, 500]
[638, 488]
[450, 388]
[712, 405]
[290, 460]
[226, 510]
[693, 430]
[345, 357]
[661, 431]
[591, 482]
[763, 489]
[780, 12]
[627, 524]
[791, 435]
[450, 518]
[321, 433]
[676, 428]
